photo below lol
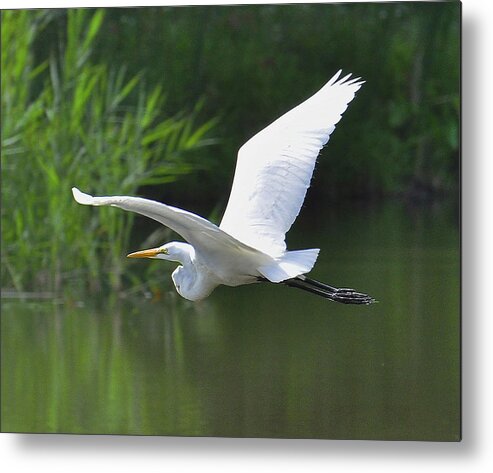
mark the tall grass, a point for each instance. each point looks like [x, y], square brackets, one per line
[67, 121]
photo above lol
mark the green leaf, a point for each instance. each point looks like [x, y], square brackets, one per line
[126, 90]
[94, 27]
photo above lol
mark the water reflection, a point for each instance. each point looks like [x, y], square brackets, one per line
[260, 360]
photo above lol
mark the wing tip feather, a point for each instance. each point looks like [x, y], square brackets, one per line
[334, 78]
[355, 82]
[81, 197]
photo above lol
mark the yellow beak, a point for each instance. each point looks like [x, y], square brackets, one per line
[145, 253]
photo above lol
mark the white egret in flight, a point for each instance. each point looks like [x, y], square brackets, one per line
[273, 173]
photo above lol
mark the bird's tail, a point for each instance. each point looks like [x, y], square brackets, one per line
[343, 295]
[290, 265]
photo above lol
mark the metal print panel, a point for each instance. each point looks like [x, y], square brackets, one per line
[307, 286]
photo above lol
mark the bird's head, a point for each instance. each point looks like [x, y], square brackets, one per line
[174, 251]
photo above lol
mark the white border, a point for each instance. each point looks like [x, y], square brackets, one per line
[53, 453]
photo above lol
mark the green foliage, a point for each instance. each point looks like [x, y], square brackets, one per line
[253, 63]
[79, 129]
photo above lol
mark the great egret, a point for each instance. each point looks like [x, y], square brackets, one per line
[273, 173]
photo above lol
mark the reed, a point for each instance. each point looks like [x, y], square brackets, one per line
[69, 121]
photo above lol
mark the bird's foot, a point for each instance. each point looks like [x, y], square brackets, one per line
[350, 296]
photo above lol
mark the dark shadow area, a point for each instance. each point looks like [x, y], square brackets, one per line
[470, 232]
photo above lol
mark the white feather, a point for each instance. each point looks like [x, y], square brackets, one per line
[275, 167]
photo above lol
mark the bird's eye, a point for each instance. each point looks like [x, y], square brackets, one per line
[164, 251]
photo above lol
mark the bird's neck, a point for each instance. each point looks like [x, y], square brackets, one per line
[183, 253]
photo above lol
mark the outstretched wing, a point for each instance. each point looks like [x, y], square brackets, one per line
[274, 168]
[204, 236]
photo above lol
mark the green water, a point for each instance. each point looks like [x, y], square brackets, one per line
[259, 360]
